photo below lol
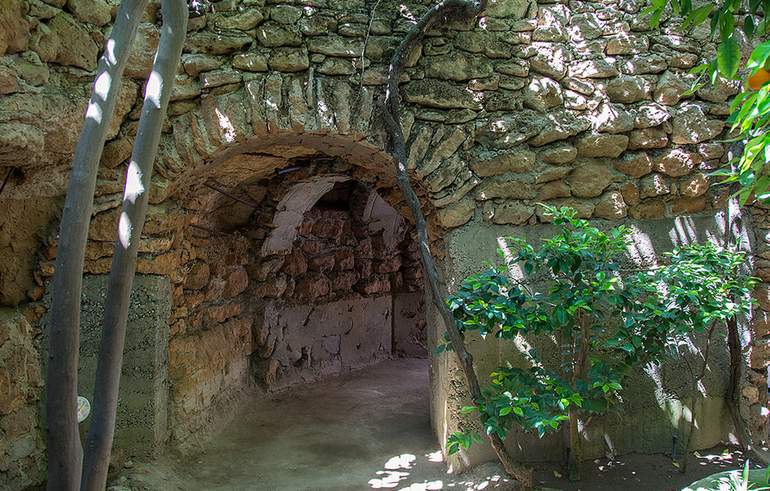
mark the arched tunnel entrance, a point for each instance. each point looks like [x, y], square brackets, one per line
[311, 275]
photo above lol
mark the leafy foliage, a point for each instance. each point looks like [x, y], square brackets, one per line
[605, 320]
[730, 22]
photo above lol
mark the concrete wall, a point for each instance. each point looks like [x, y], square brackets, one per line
[141, 428]
[654, 411]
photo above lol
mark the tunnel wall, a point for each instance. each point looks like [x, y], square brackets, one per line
[654, 414]
[574, 103]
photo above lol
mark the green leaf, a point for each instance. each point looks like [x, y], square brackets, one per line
[759, 56]
[699, 15]
[728, 57]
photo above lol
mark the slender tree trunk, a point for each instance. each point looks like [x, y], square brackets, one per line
[397, 147]
[138, 181]
[62, 437]
[696, 380]
[579, 369]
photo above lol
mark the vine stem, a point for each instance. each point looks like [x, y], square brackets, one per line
[440, 12]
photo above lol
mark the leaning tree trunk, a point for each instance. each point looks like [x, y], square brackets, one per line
[135, 198]
[397, 148]
[62, 437]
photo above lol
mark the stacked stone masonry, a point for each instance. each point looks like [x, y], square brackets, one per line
[575, 103]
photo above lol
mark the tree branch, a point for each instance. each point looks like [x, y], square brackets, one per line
[136, 196]
[62, 436]
[397, 148]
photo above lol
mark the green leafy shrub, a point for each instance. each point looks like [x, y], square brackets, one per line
[607, 318]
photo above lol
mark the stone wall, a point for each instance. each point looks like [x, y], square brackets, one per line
[566, 102]
[296, 286]
[22, 452]
[655, 398]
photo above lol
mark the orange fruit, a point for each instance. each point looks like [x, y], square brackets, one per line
[759, 78]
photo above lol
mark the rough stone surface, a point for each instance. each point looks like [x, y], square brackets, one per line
[578, 104]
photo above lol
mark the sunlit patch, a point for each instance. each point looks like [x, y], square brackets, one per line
[403, 461]
[388, 479]
[109, 52]
[124, 230]
[102, 85]
[94, 112]
[436, 456]
[154, 88]
[134, 186]
[228, 129]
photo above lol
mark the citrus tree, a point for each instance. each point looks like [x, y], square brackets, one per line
[733, 23]
[605, 317]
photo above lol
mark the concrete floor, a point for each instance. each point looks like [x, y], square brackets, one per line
[369, 429]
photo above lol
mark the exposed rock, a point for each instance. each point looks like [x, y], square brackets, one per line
[20, 143]
[508, 212]
[686, 206]
[691, 125]
[672, 87]
[251, 62]
[512, 9]
[599, 68]
[611, 206]
[217, 78]
[92, 11]
[214, 43]
[513, 68]
[143, 48]
[491, 164]
[634, 164]
[553, 189]
[654, 185]
[508, 186]
[650, 115]
[438, 94]
[560, 153]
[289, 59]
[457, 66]
[14, 27]
[647, 138]
[601, 145]
[623, 44]
[456, 214]
[629, 89]
[542, 93]
[590, 180]
[335, 46]
[273, 35]
[244, 21]
[550, 60]
[613, 118]
[77, 47]
[559, 126]
[648, 209]
[677, 162]
[694, 185]
[285, 14]
[644, 64]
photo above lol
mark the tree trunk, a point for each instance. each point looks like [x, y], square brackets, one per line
[397, 148]
[135, 198]
[62, 437]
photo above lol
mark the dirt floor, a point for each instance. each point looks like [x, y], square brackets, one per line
[370, 430]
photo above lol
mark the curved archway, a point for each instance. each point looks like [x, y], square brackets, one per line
[295, 265]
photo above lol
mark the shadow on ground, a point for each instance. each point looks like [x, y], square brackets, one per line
[367, 430]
